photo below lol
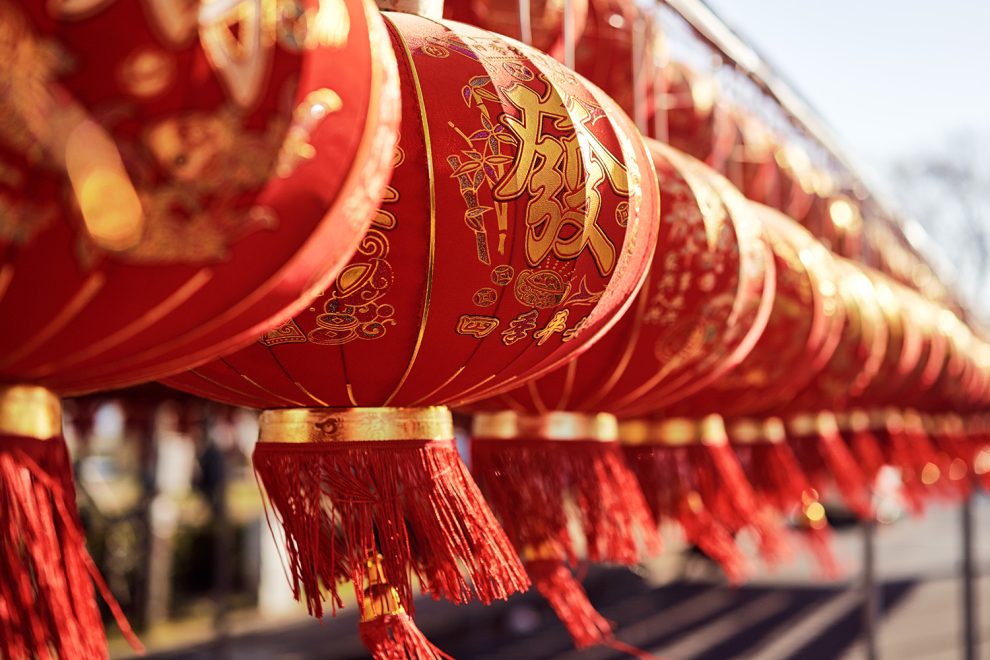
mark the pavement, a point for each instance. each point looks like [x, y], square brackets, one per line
[677, 608]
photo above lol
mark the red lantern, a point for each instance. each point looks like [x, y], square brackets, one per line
[805, 309]
[814, 433]
[545, 21]
[694, 121]
[904, 350]
[615, 51]
[521, 218]
[170, 188]
[710, 284]
[752, 166]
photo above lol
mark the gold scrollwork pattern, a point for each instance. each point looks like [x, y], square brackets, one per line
[354, 310]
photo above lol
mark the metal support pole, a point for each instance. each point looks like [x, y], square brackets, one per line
[570, 34]
[639, 73]
[871, 595]
[970, 635]
[525, 23]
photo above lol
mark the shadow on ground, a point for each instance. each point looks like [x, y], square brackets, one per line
[691, 621]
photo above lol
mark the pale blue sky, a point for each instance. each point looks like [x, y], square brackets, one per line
[890, 76]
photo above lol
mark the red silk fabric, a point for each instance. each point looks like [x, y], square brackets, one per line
[235, 159]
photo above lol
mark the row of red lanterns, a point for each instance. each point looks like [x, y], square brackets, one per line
[533, 259]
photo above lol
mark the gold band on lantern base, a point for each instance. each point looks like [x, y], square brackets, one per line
[303, 425]
[30, 411]
[813, 424]
[747, 431]
[856, 421]
[508, 425]
[674, 432]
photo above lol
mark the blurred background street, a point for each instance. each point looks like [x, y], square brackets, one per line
[677, 608]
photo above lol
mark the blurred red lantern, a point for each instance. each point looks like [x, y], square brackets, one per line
[521, 218]
[544, 26]
[615, 52]
[805, 309]
[855, 363]
[170, 189]
[694, 120]
[752, 165]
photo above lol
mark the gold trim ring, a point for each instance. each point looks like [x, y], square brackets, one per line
[30, 411]
[303, 425]
[672, 432]
[556, 425]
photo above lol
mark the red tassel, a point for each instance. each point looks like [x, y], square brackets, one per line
[781, 485]
[385, 629]
[728, 493]
[825, 457]
[692, 475]
[862, 442]
[408, 506]
[569, 601]
[910, 450]
[954, 449]
[664, 475]
[542, 476]
[47, 602]
[396, 637]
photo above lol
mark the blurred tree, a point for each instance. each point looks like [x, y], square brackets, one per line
[948, 192]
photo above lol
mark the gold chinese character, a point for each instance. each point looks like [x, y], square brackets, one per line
[554, 152]
[476, 326]
[519, 327]
[557, 324]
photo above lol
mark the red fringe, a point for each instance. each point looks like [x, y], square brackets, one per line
[667, 478]
[826, 457]
[956, 463]
[916, 458]
[775, 474]
[413, 502]
[866, 448]
[47, 603]
[396, 637]
[780, 484]
[729, 495]
[540, 477]
[570, 602]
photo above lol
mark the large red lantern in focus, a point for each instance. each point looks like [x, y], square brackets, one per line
[521, 217]
[711, 281]
[173, 181]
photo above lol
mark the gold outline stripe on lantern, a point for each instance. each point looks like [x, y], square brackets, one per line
[319, 425]
[30, 411]
[556, 425]
[6, 277]
[146, 320]
[433, 216]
